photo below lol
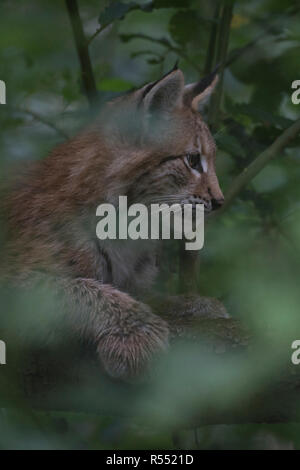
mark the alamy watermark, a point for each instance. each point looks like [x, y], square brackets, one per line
[296, 94]
[295, 358]
[2, 352]
[155, 222]
[2, 92]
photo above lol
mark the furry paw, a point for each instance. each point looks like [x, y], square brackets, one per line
[127, 347]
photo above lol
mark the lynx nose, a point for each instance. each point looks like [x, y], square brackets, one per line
[217, 203]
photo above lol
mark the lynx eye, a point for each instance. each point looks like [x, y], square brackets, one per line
[194, 161]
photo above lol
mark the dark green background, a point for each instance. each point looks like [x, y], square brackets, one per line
[251, 254]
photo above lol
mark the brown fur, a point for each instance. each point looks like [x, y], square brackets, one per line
[51, 215]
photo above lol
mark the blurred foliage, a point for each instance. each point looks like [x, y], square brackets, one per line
[251, 254]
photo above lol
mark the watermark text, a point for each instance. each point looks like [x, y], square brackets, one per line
[296, 94]
[155, 222]
[2, 92]
[2, 352]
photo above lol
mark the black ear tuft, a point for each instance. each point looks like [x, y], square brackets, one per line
[175, 66]
[206, 81]
[197, 93]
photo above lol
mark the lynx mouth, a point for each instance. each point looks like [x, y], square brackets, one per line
[207, 206]
[194, 202]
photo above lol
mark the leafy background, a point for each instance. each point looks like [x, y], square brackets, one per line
[251, 254]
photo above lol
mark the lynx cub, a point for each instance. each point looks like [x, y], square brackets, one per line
[150, 145]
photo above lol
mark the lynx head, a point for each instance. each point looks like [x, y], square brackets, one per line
[162, 149]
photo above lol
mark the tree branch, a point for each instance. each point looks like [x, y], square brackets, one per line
[72, 381]
[188, 269]
[211, 51]
[223, 42]
[87, 76]
[258, 164]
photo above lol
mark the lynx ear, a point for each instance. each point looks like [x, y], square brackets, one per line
[197, 94]
[164, 95]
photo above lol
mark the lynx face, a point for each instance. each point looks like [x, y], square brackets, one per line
[170, 156]
[186, 177]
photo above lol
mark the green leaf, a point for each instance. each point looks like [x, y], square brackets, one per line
[117, 10]
[115, 84]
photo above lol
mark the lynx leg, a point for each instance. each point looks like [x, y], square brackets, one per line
[126, 333]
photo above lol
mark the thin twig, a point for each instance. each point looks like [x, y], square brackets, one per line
[87, 74]
[268, 28]
[163, 42]
[97, 32]
[41, 119]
